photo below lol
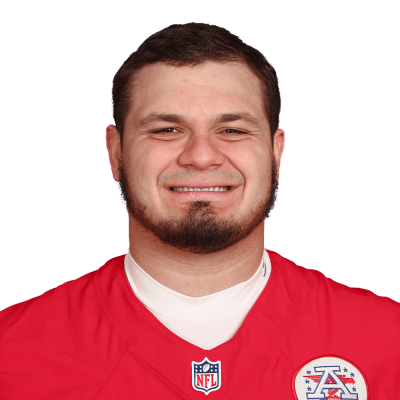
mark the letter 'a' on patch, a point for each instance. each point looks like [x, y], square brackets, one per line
[206, 376]
[330, 378]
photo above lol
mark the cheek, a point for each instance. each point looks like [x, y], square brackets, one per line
[147, 162]
[136, 168]
[254, 163]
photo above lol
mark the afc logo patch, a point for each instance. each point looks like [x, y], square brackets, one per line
[206, 375]
[329, 378]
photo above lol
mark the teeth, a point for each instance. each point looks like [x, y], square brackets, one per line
[209, 189]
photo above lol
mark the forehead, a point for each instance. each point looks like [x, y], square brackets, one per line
[201, 90]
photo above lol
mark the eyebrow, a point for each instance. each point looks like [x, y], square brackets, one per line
[241, 116]
[157, 117]
[221, 118]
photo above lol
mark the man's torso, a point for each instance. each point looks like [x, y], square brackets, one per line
[93, 339]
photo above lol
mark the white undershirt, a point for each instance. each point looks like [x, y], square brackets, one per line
[206, 321]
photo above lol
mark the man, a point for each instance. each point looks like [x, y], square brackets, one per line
[198, 307]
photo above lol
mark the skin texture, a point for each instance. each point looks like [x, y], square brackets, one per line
[194, 146]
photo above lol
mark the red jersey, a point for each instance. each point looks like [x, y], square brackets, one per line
[306, 337]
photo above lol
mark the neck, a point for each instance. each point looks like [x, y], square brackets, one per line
[195, 274]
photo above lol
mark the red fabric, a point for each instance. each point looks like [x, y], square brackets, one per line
[92, 339]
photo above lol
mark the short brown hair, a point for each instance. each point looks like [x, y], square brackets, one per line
[189, 45]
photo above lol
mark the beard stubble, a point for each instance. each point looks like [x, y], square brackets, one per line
[200, 231]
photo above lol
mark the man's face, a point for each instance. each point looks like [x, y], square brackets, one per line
[197, 166]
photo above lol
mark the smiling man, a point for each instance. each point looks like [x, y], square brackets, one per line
[197, 163]
[198, 307]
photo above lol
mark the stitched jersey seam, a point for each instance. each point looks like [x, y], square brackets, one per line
[111, 374]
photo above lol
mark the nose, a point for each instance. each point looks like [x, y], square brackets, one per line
[201, 153]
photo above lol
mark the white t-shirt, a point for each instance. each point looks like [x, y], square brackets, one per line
[206, 321]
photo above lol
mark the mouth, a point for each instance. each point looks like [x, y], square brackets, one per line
[200, 189]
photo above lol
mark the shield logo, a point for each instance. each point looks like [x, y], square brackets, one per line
[206, 375]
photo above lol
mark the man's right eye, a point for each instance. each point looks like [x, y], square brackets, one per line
[166, 130]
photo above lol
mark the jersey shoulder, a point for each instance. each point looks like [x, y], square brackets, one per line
[60, 337]
[315, 284]
[328, 309]
[72, 298]
[332, 322]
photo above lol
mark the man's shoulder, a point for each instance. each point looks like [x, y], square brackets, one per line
[60, 341]
[69, 299]
[329, 319]
[315, 285]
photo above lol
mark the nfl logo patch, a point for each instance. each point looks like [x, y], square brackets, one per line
[330, 378]
[206, 375]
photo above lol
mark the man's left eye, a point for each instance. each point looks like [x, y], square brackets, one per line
[234, 131]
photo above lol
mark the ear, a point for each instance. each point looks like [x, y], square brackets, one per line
[113, 140]
[279, 144]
